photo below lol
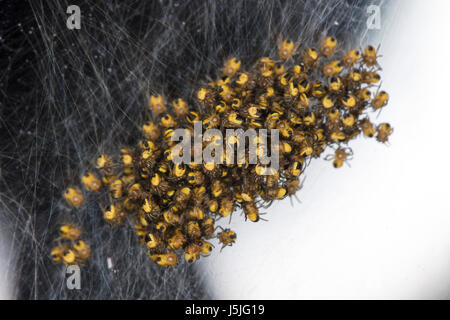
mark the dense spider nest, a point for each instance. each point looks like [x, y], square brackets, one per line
[309, 97]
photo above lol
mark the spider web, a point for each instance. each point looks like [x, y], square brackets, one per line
[69, 95]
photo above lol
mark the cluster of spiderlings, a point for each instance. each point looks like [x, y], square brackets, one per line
[314, 99]
[70, 249]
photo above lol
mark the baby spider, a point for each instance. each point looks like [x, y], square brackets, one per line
[340, 156]
[226, 237]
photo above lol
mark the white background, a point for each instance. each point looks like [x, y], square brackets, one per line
[380, 229]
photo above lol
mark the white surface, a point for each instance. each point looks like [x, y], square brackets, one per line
[380, 229]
